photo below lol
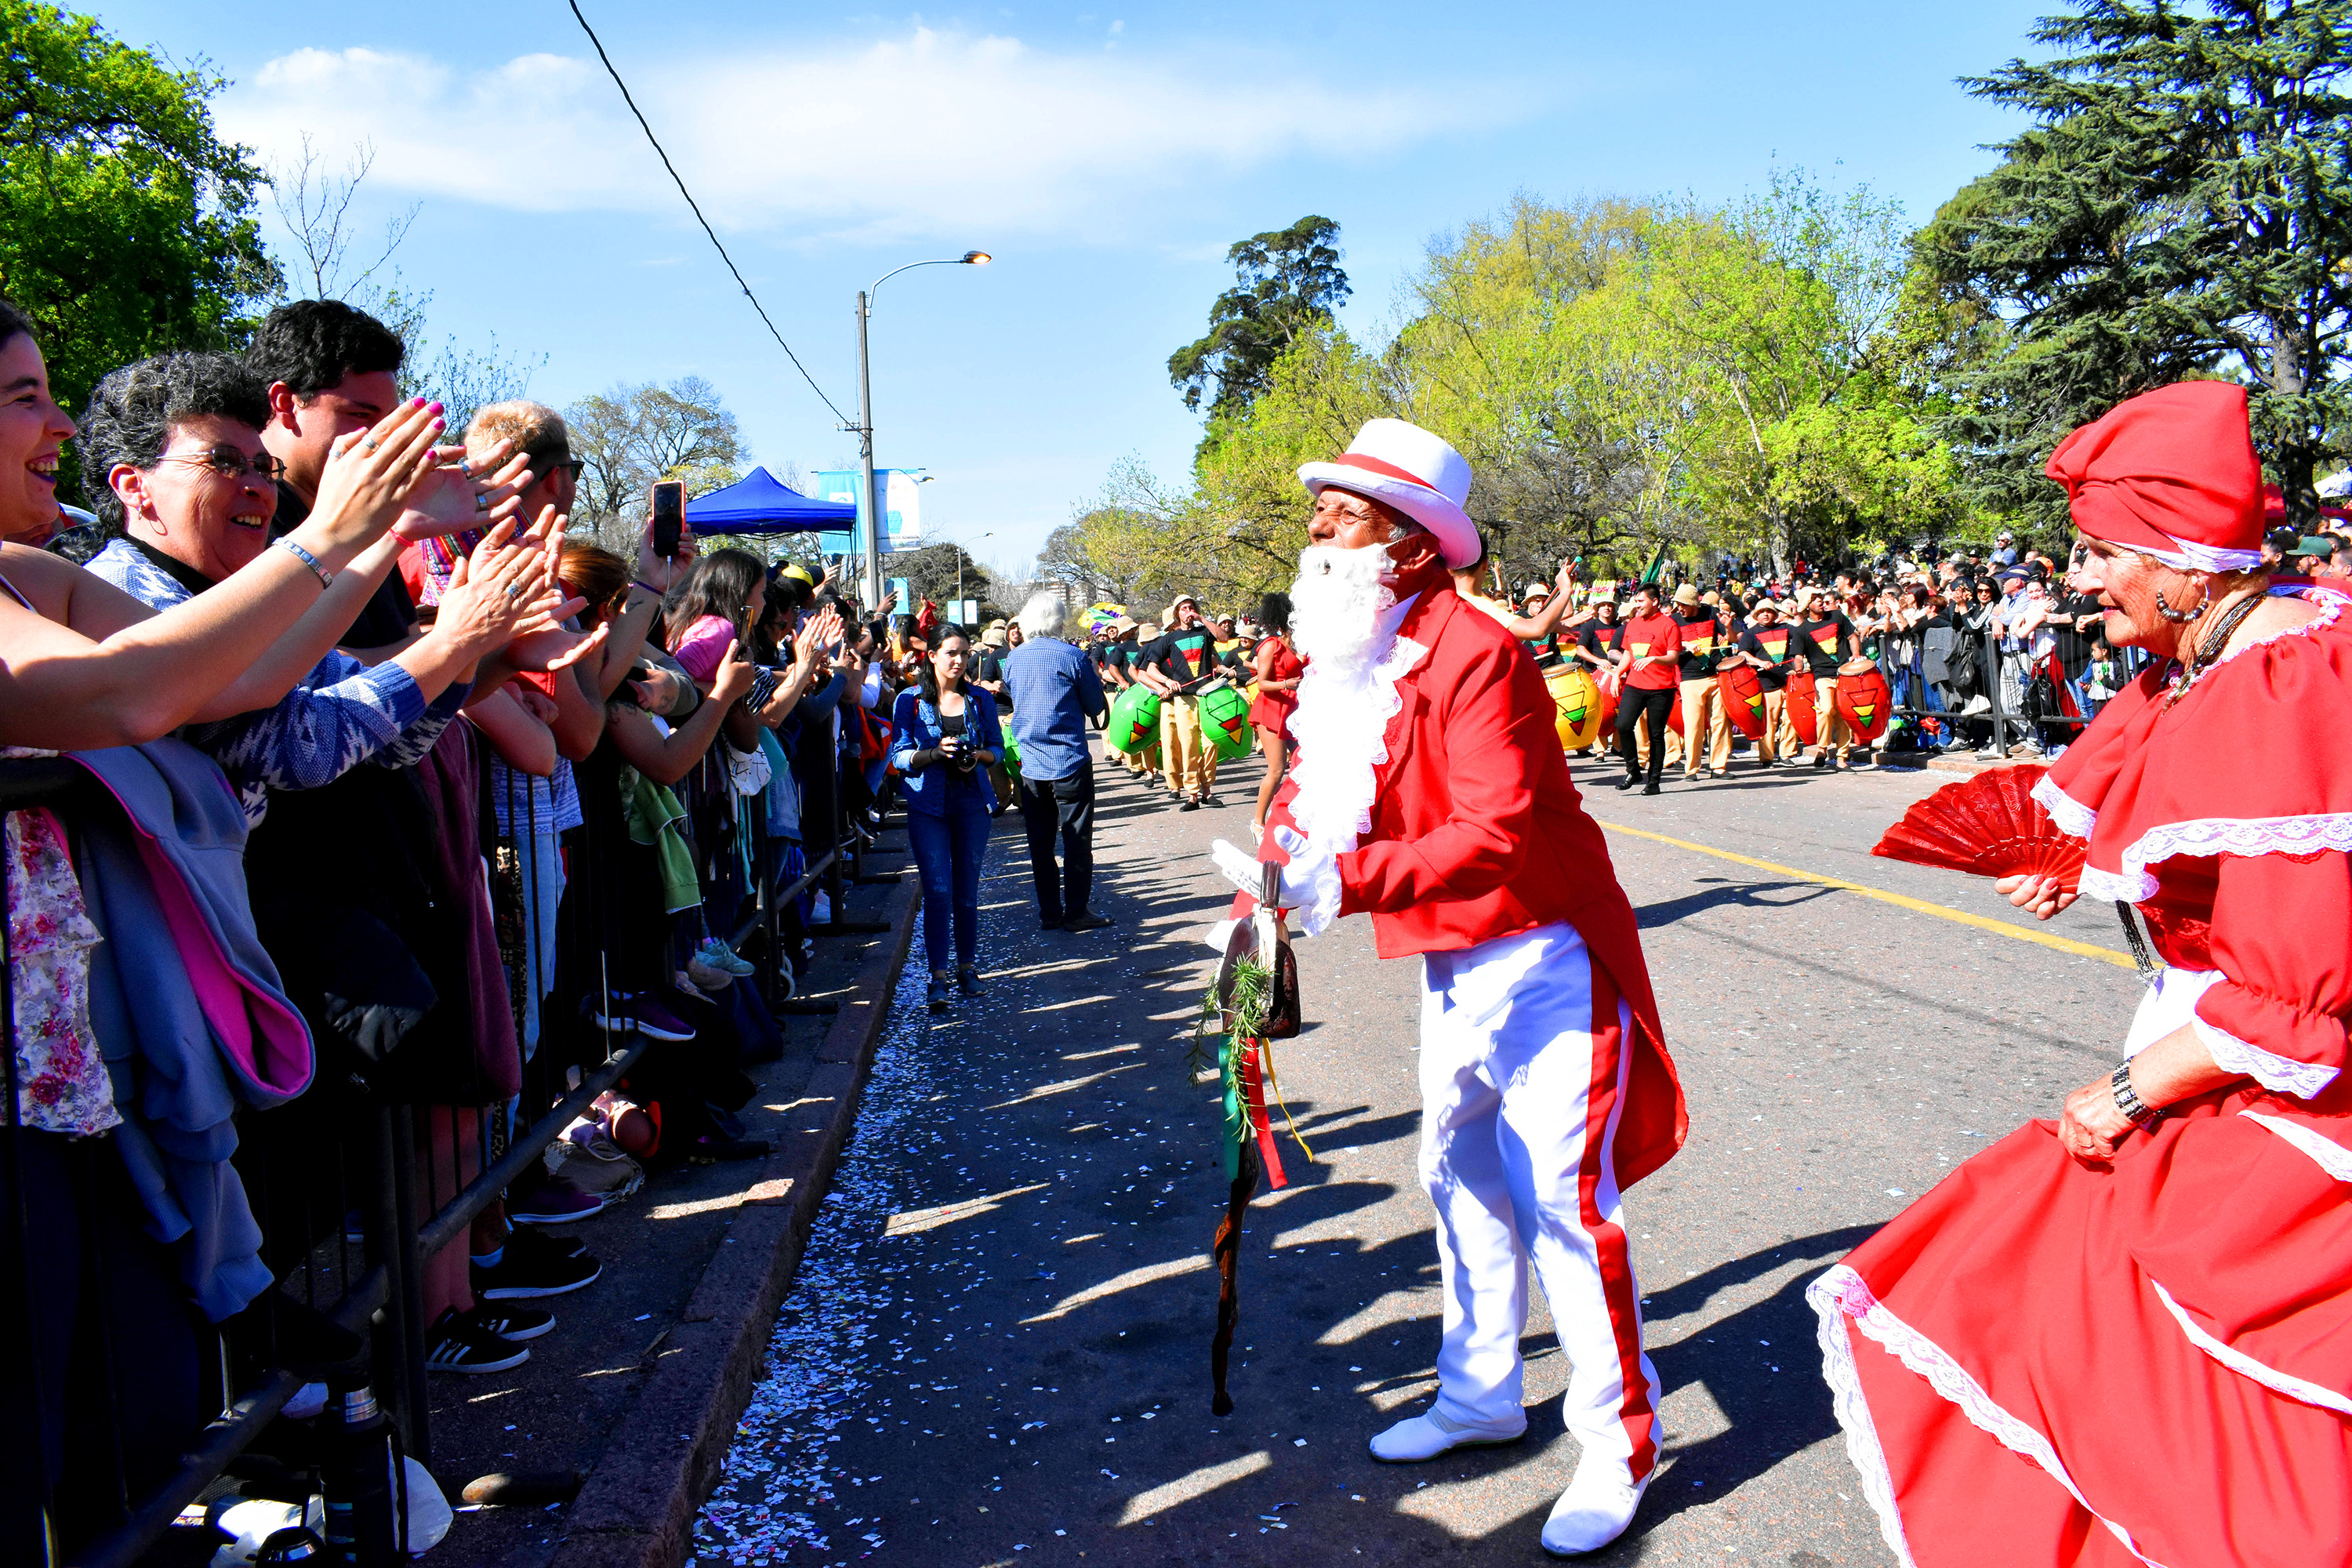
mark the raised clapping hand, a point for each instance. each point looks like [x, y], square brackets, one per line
[497, 592]
[371, 474]
[452, 496]
[817, 634]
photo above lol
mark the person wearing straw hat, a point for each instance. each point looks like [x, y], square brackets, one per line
[1825, 640]
[1182, 666]
[1430, 792]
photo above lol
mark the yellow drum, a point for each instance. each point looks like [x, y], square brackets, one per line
[1576, 703]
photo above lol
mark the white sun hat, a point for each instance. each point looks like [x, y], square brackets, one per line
[1419, 474]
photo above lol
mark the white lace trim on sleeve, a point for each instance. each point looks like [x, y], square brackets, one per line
[2326, 1152]
[2280, 1074]
[1840, 1290]
[2244, 1366]
[2073, 817]
[2245, 836]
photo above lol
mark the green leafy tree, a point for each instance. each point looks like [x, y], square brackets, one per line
[2183, 207]
[1289, 281]
[630, 435]
[126, 223]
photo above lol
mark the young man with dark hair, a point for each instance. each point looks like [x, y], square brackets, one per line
[329, 371]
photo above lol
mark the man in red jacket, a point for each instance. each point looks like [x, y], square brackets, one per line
[1430, 792]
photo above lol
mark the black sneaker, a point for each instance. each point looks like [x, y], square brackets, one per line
[461, 1344]
[1188, 804]
[527, 1272]
[1212, 800]
[513, 1324]
[968, 980]
[1087, 921]
[1629, 781]
[1650, 788]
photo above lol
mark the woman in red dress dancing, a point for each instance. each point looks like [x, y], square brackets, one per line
[2125, 1334]
[1278, 670]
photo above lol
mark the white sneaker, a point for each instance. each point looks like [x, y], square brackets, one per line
[1424, 1436]
[1595, 1509]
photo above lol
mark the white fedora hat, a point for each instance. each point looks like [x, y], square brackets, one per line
[1419, 474]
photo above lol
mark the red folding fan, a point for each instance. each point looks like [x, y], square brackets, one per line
[1989, 825]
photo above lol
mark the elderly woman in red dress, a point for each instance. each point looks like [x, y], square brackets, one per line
[2125, 1334]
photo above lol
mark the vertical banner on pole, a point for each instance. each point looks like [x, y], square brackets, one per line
[902, 507]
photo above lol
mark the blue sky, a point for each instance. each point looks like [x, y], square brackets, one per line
[1107, 157]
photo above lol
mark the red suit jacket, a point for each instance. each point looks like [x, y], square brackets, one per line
[1478, 833]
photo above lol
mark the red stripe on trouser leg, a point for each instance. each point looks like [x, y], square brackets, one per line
[1604, 1103]
[1512, 1129]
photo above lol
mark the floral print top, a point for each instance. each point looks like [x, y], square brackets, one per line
[62, 1082]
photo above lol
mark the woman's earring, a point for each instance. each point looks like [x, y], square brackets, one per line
[2181, 617]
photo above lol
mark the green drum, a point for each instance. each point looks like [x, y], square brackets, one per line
[1134, 720]
[1224, 719]
[1012, 752]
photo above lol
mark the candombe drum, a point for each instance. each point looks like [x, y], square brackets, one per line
[1742, 696]
[1134, 720]
[1011, 752]
[1864, 700]
[1801, 717]
[1224, 719]
[1576, 706]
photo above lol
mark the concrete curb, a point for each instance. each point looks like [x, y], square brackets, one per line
[637, 1507]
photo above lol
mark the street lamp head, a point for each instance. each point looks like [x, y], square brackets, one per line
[977, 259]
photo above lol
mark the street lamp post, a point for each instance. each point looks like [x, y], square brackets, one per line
[872, 501]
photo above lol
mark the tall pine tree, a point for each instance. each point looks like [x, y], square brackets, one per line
[2182, 207]
[1288, 281]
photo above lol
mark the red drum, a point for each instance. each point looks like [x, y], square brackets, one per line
[1801, 717]
[1611, 688]
[1864, 702]
[1742, 696]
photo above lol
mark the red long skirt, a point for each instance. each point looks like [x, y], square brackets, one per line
[2016, 1388]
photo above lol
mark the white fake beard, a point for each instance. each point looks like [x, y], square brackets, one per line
[1336, 607]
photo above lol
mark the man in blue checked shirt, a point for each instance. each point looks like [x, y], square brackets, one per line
[1054, 690]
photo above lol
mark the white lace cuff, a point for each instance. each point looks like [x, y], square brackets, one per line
[2280, 1074]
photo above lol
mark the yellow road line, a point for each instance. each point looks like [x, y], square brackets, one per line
[1982, 922]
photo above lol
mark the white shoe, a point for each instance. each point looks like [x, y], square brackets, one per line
[1419, 1437]
[1595, 1509]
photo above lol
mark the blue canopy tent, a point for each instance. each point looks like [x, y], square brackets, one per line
[759, 502]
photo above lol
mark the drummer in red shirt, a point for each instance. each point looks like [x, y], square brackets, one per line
[1650, 653]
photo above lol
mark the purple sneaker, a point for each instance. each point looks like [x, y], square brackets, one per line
[556, 1203]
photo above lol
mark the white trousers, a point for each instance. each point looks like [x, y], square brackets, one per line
[1520, 1101]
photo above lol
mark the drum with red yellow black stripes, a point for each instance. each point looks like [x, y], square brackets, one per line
[1742, 696]
[1862, 700]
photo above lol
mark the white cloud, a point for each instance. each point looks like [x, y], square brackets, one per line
[929, 132]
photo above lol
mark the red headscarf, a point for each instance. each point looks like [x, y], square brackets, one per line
[2172, 472]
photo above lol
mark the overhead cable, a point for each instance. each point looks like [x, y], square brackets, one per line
[704, 222]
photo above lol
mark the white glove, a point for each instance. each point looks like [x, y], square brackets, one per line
[1310, 882]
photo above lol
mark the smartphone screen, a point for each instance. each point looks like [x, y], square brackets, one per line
[669, 517]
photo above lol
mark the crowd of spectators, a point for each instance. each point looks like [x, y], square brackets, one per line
[403, 796]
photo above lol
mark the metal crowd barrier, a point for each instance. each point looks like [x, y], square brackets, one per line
[82, 1482]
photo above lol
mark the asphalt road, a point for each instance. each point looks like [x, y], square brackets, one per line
[997, 1349]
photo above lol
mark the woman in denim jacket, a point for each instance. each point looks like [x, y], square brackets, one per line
[946, 739]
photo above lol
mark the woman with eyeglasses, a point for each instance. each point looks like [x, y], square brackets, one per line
[83, 666]
[188, 494]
